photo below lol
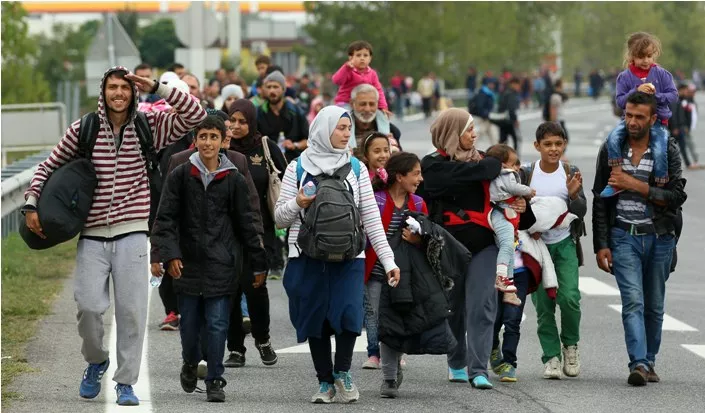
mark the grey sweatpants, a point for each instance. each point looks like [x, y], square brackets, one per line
[127, 260]
[476, 295]
[390, 361]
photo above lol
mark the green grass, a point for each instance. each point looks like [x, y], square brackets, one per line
[31, 280]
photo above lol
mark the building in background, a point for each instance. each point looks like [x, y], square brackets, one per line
[271, 28]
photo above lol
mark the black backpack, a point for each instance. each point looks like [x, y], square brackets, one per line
[331, 229]
[67, 195]
[88, 134]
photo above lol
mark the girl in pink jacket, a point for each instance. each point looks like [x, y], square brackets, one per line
[357, 71]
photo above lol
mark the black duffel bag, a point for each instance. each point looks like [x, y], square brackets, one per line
[63, 208]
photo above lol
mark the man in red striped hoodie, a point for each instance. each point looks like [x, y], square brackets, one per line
[114, 239]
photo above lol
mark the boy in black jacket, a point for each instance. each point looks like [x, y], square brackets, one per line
[203, 230]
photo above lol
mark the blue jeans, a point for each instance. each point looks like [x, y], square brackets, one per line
[658, 145]
[373, 290]
[214, 312]
[641, 265]
[243, 306]
[510, 316]
[504, 232]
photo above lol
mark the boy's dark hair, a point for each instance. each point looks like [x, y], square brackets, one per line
[174, 67]
[641, 98]
[142, 66]
[550, 129]
[359, 45]
[211, 122]
[559, 83]
[514, 80]
[263, 60]
[400, 163]
[682, 86]
[500, 151]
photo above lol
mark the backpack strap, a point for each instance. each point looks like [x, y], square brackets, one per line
[566, 168]
[531, 173]
[144, 133]
[88, 134]
[354, 163]
[417, 202]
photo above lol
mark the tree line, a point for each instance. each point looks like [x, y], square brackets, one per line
[447, 37]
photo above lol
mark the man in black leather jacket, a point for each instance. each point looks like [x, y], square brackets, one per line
[634, 233]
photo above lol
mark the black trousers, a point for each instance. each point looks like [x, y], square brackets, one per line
[258, 306]
[167, 295]
[321, 353]
[507, 129]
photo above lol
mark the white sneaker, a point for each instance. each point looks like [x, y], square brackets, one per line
[571, 361]
[553, 369]
[345, 389]
[202, 370]
[326, 393]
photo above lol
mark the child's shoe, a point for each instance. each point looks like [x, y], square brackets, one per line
[504, 284]
[512, 299]
[609, 192]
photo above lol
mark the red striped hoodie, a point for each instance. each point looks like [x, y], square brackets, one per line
[121, 200]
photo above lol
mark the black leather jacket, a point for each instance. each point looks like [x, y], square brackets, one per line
[664, 218]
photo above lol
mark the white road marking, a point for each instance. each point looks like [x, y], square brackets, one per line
[593, 286]
[360, 346]
[669, 323]
[142, 388]
[698, 349]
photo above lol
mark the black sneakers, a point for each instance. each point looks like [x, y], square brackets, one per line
[189, 380]
[214, 390]
[235, 360]
[266, 352]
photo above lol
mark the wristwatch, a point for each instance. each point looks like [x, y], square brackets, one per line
[155, 87]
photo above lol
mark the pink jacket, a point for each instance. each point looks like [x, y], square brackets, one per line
[348, 78]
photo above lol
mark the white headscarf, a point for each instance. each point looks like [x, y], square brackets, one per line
[321, 157]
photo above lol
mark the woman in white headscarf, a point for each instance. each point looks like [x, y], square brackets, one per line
[325, 298]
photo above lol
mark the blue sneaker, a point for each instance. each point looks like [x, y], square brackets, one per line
[481, 382]
[125, 395]
[609, 192]
[458, 375]
[90, 385]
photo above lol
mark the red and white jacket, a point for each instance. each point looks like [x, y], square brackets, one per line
[121, 201]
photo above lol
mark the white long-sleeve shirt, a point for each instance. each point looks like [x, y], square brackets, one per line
[287, 213]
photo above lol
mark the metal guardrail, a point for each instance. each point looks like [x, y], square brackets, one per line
[15, 179]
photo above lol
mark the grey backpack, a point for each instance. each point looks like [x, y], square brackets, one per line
[331, 229]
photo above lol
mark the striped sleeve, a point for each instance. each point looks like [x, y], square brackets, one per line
[286, 209]
[170, 127]
[372, 221]
[64, 152]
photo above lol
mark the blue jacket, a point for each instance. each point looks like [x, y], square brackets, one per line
[666, 92]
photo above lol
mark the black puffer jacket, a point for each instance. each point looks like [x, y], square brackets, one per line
[207, 229]
[412, 316]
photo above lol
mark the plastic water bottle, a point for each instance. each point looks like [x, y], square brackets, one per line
[281, 140]
[310, 189]
[157, 281]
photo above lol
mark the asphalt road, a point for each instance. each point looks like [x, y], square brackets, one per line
[287, 387]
